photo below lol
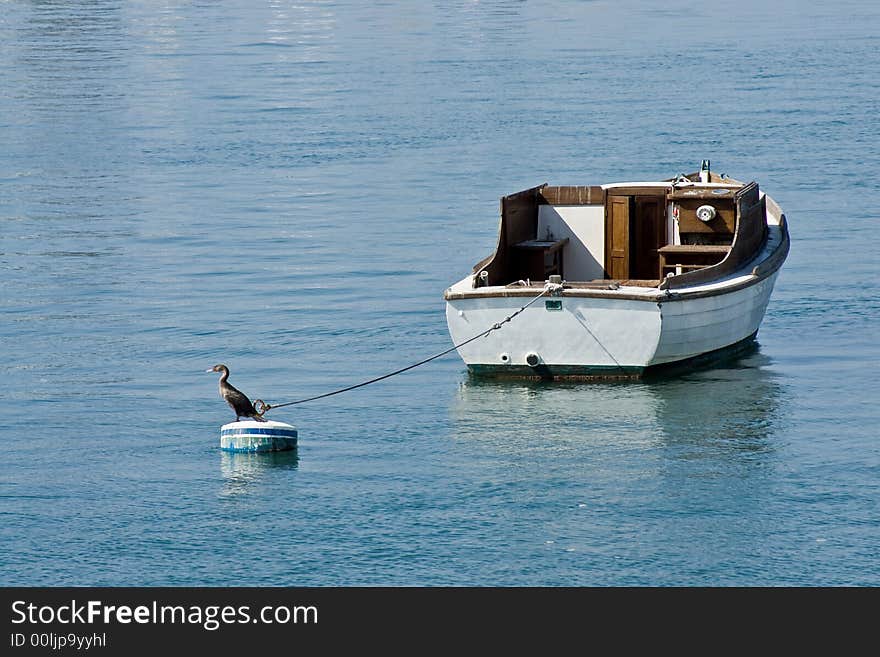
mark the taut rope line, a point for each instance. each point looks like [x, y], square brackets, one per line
[263, 407]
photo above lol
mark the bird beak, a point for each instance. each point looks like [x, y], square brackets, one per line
[210, 370]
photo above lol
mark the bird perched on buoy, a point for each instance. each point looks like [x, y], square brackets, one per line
[239, 402]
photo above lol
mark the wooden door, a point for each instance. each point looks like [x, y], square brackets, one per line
[617, 237]
[649, 234]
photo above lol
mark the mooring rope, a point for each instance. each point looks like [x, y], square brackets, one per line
[263, 407]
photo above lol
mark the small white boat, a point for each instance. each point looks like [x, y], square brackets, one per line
[635, 276]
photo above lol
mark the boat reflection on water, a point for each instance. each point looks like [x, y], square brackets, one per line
[677, 476]
[243, 471]
[736, 405]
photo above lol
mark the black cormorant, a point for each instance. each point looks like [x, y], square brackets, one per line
[235, 397]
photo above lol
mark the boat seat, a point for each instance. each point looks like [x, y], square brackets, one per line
[690, 256]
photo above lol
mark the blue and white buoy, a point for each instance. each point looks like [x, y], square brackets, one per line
[252, 436]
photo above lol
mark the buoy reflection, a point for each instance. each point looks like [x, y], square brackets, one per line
[242, 471]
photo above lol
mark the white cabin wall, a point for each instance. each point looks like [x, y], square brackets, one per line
[584, 226]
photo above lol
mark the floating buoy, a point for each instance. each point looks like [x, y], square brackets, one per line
[252, 436]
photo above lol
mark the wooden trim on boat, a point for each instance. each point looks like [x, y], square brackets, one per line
[676, 249]
[571, 195]
[702, 194]
[636, 190]
[610, 292]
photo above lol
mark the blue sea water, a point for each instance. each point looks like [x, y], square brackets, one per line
[288, 187]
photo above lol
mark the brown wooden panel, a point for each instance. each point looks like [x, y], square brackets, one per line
[519, 221]
[712, 194]
[751, 231]
[519, 212]
[748, 195]
[724, 221]
[572, 195]
[638, 191]
[617, 237]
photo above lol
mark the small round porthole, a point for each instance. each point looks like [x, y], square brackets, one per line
[705, 213]
[505, 357]
[532, 359]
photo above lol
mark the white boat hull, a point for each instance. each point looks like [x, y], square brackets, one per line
[591, 336]
[692, 327]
